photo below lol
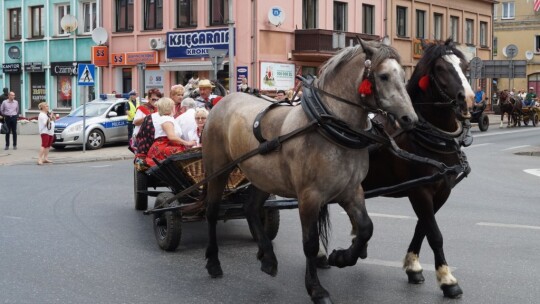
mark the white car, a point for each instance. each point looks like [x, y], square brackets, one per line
[106, 122]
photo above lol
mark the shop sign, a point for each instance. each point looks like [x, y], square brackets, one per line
[38, 93]
[33, 67]
[11, 68]
[195, 44]
[133, 58]
[65, 68]
[277, 76]
[154, 79]
[100, 55]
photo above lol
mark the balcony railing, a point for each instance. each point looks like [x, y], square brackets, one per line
[319, 40]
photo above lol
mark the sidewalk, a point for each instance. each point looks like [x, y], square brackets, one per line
[28, 148]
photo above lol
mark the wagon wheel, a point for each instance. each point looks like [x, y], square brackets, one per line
[483, 123]
[167, 225]
[526, 120]
[140, 183]
[535, 120]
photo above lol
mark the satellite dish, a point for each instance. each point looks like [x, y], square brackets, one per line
[68, 23]
[529, 55]
[100, 35]
[276, 15]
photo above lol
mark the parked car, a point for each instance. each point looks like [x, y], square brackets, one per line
[106, 122]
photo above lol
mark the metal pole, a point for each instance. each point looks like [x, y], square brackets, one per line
[232, 76]
[85, 90]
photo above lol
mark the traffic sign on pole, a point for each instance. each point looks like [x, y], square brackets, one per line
[86, 74]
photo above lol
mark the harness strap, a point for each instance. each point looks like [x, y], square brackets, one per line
[257, 131]
[263, 148]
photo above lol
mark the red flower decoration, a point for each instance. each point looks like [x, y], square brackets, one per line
[365, 87]
[423, 83]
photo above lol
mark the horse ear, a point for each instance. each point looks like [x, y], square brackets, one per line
[369, 50]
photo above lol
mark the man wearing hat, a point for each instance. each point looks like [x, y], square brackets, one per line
[206, 96]
[530, 98]
[131, 108]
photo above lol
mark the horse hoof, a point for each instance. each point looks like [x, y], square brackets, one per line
[415, 277]
[452, 291]
[324, 300]
[269, 268]
[322, 262]
[363, 252]
[214, 270]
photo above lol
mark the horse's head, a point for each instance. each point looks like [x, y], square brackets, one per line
[370, 75]
[504, 97]
[441, 73]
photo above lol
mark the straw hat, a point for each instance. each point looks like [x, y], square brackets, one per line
[205, 83]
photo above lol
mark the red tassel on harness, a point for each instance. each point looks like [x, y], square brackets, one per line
[365, 87]
[423, 83]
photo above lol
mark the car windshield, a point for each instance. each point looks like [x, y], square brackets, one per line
[92, 109]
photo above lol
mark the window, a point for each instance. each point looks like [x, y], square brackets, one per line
[153, 14]
[483, 34]
[38, 22]
[219, 12]
[186, 10]
[420, 24]
[537, 44]
[340, 16]
[64, 91]
[15, 26]
[61, 11]
[401, 22]
[89, 13]
[309, 14]
[437, 26]
[508, 11]
[454, 28]
[368, 17]
[124, 15]
[495, 44]
[469, 31]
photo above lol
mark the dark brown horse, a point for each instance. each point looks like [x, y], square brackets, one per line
[440, 96]
[311, 166]
[510, 106]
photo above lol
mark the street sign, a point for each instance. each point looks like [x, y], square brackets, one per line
[504, 69]
[511, 51]
[476, 67]
[86, 74]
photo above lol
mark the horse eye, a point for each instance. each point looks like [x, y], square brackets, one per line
[384, 77]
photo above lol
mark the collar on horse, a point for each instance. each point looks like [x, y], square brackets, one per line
[440, 141]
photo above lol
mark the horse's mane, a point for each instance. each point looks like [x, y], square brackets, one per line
[433, 52]
[330, 68]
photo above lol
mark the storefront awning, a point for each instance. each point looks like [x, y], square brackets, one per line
[189, 66]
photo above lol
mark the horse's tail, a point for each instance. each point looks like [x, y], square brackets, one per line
[324, 226]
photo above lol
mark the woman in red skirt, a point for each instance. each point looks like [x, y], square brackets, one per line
[167, 133]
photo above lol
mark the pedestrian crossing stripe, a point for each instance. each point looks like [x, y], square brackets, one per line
[86, 76]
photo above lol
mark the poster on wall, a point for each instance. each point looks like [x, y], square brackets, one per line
[276, 76]
[64, 91]
[153, 79]
[37, 89]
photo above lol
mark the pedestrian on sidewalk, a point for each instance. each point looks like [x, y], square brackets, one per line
[46, 131]
[10, 112]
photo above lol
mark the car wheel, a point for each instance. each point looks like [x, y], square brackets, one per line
[95, 140]
[535, 120]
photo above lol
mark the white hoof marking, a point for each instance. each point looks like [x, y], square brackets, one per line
[445, 277]
[411, 262]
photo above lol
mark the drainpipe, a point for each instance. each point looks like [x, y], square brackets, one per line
[23, 40]
[254, 44]
[98, 69]
[74, 11]
[232, 39]
[48, 82]
[3, 44]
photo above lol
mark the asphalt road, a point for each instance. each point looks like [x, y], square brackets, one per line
[69, 234]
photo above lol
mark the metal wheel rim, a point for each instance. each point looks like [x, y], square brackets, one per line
[94, 139]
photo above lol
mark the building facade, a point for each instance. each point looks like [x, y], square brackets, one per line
[156, 43]
[516, 23]
[39, 58]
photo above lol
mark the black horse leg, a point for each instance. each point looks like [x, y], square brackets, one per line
[314, 288]
[213, 198]
[426, 218]
[364, 230]
[253, 208]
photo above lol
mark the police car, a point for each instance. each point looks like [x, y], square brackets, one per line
[106, 122]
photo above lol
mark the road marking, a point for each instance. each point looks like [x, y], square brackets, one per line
[508, 132]
[478, 145]
[398, 264]
[518, 147]
[533, 171]
[12, 217]
[401, 217]
[104, 166]
[508, 225]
